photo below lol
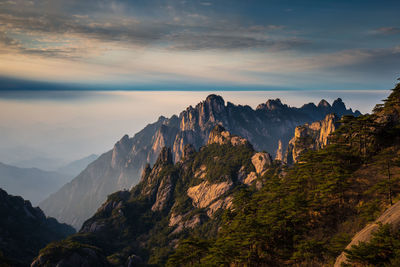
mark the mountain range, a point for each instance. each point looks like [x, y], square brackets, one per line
[31, 183]
[73, 168]
[265, 127]
[227, 204]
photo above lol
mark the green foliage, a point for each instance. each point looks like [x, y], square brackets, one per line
[56, 251]
[223, 161]
[272, 226]
[189, 253]
[338, 243]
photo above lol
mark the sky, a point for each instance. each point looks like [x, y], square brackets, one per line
[199, 45]
[77, 75]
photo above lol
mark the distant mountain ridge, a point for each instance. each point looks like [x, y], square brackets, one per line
[73, 168]
[35, 184]
[30, 183]
[120, 167]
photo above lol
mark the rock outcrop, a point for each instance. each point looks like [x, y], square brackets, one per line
[312, 136]
[390, 216]
[220, 136]
[261, 161]
[205, 193]
[279, 152]
[121, 167]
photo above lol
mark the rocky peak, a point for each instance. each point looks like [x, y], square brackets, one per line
[310, 137]
[272, 104]
[188, 150]
[261, 162]
[279, 151]
[309, 106]
[323, 104]
[220, 136]
[338, 106]
[205, 115]
[215, 100]
[325, 127]
[146, 171]
[162, 119]
[165, 156]
[120, 151]
[151, 180]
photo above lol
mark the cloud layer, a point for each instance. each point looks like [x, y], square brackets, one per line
[154, 42]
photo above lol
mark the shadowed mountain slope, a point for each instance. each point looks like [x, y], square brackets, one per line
[24, 230]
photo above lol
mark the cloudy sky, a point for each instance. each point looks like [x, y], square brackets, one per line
[199, 45]
[53, 51]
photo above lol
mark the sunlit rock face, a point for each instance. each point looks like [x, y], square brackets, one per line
[312, 136]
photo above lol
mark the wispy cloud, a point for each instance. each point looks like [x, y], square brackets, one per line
[231, 42]
[387, 30]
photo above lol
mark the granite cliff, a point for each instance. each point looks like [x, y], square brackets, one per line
[308, 137]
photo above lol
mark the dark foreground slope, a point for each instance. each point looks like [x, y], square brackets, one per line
[229, 205]
[24, 230]
[120, 168]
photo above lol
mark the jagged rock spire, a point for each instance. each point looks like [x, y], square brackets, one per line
[215, 100]
[338, 105]
[272, 104]
[188, 150]
[318, 132]
[120, 151]
[146, 171]
[324, 104]
[165, 156]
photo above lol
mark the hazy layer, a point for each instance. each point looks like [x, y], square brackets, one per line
[57, 127]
